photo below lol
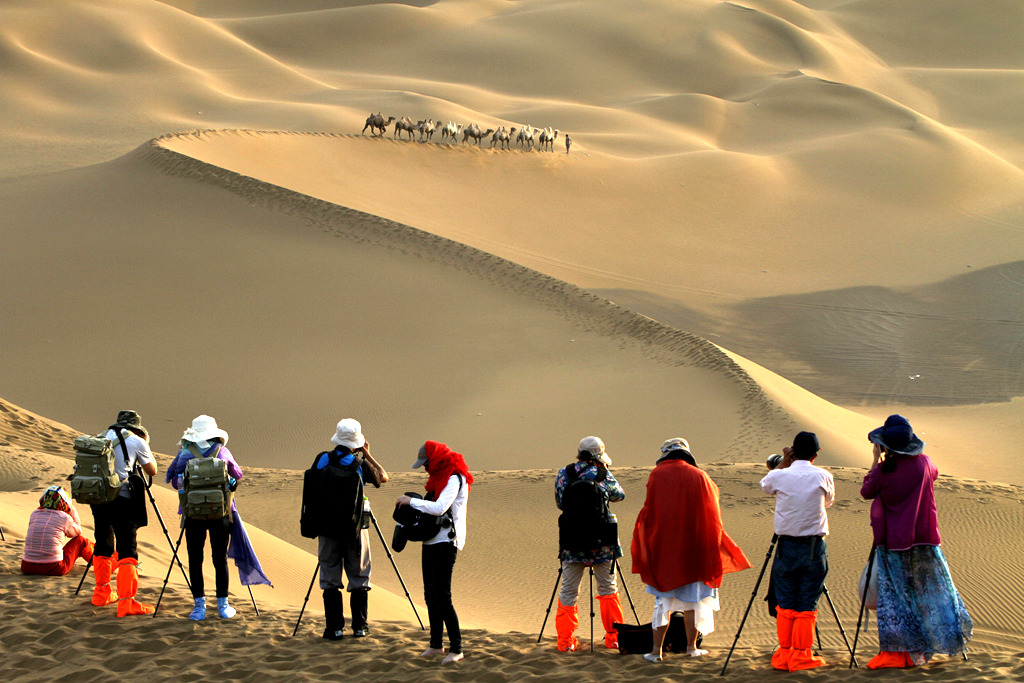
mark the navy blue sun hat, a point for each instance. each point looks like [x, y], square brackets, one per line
[897, 436]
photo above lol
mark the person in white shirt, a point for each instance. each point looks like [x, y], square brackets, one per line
[802, 494]
[447, 494]
[115, 522]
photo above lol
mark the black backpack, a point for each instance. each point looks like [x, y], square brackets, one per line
[332, 499]
[583, 524]
[413, 525]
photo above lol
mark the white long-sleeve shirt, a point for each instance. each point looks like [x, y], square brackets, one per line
[802, 493]
[454, 495]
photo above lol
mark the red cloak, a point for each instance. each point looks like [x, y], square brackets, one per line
[679, 538]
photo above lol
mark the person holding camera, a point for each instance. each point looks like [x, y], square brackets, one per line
[588, 536]
[802, 494]
[204, 439]
[680, 548]
[117, 522]
[343, 542]
[919, 609]
[447, 490]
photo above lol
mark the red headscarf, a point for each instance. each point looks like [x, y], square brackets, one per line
[442, 463]
[679, 538]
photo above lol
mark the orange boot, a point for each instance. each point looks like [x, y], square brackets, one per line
[102, 568]
[611, 614]
[566, 620]
[128, 587]
[891, 660]
[803, 639]
[784, 627]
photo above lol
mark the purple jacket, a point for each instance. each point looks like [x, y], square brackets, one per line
[177, 468]
[903, 512]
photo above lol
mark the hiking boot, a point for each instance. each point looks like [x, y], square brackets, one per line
[334, 614]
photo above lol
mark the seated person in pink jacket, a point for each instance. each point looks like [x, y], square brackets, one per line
[47, 548]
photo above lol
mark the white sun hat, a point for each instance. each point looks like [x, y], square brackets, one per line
[203, 429]
[349, 433]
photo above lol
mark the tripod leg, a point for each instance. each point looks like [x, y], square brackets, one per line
[170, 567]
[167, 535]
[308, 591]
[839, 624]
[547, 613]
[395, 566]
[860, 614]
[254, 600]
[85, 574]
[753, 594]
[2, 537]
[626, 589]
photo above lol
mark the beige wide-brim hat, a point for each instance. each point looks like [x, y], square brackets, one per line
[594, 446]
[204, 428]
[349, 433]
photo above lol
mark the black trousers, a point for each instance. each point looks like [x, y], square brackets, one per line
[438, 565]
[195, 541]
[115, 529]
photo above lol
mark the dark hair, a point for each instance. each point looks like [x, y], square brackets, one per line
[891, 460]
[680, 454]
[584, 456]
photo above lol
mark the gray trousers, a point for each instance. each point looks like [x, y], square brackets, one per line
[355, 559]
[572, 575]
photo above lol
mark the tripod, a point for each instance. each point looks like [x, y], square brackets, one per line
[558, 582]
[753, 594]
[167, 535]
[393, 564]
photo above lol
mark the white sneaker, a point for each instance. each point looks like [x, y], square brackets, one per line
[453, 657]
[430, 651]
[696, 652]
[651, 657]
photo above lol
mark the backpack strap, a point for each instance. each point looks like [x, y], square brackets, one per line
[128, 467]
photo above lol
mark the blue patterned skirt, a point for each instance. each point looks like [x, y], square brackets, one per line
[919, 609]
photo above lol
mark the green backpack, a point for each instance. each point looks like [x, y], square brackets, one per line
[207, 494]
[94, 480]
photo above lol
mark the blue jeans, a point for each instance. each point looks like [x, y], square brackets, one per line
[438, 565]
[799, 571]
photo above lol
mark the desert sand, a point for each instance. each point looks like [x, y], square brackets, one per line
[774, 216]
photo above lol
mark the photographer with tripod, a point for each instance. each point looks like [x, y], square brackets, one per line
[117, 522]
[336, 512]
[588, 536]
[802, 494]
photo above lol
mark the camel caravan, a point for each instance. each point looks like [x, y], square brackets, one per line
[525, 137]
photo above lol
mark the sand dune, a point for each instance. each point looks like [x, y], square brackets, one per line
[776, 215]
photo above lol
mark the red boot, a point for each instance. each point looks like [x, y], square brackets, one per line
[803, 640]
[891, 660]
[611, 614]
[102, 568]
[566, 620]
[128, 587]
[784, 627]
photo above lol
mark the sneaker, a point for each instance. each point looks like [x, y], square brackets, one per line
[431, 651]
[361, 632]
[453, 657]
[697, 652]
[651, 657]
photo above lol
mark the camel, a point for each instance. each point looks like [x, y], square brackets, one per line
[502, 137]
[377, 122]
[450, 131]
[473, 131]
[426, 129]
[525, 137]
[406, 124]
[546, 138]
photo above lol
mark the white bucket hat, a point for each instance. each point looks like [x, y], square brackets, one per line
[204, 428]
[349, 433]
[594, 446]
